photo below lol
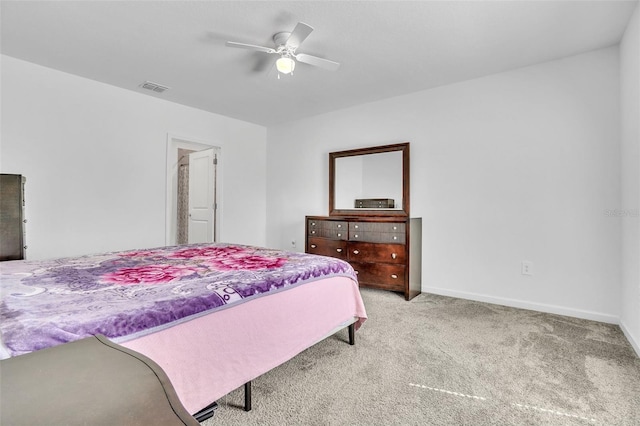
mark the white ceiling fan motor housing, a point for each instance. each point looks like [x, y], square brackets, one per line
[280, 39]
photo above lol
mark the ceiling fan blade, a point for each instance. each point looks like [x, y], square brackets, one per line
[250, 47]
[318, 62]
[299, 34]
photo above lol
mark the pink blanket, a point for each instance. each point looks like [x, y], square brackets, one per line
[210, 356]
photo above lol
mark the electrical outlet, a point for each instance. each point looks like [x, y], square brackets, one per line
[527, 267]
[293, 243]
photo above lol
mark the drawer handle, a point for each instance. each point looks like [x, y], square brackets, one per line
[339, 226]
[339, 235]
[313, 232]
[393, 255]
[356, 226]
[356, 252]
[395, 227]
[395, 238]
[355, 236]
[313, 224]
[339, 250]
[313, 246]
[394, 276]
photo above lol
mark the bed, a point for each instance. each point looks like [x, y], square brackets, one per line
[213, 316]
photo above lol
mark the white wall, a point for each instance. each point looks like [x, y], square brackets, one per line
[630, 205]
[95, 160]
[515, 166]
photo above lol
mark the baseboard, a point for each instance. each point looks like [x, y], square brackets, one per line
[634, 343]
[541, 307]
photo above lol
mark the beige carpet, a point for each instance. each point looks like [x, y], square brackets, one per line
[445, 361]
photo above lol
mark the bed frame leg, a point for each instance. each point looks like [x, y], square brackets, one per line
[352, 334]
[247, 396]
[206, 412]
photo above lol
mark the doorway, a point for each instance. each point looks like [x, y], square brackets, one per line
[194, 199]
[182, 197]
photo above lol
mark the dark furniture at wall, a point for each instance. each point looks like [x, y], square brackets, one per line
[12, 244]
[91, 381]
[369, 224]
[384, 251]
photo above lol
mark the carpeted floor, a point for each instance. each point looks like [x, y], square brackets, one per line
[444, 361]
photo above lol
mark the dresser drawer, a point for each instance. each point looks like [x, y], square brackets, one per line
[326, 247]
[380, 275]
[370, 252]
[333, 229]
[378, 237]
[394, 227]
[385, 232]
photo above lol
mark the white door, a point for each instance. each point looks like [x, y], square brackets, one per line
[202, 184]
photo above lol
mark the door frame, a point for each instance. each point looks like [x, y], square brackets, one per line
[171, 201]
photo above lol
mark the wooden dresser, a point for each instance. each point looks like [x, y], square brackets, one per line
[12, 221]
[384, 251]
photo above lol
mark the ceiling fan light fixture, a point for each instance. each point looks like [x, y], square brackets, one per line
[286, 47]
[285, 65]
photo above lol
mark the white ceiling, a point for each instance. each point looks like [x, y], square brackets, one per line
[386, 48]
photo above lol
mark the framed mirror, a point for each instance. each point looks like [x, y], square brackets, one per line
[370, 181]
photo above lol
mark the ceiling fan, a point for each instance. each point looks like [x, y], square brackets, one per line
[286, 44]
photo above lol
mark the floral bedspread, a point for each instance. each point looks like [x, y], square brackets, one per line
[123, 295]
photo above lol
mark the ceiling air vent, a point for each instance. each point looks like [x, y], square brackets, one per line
[154, 87]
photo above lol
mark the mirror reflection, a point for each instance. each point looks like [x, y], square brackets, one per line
[372, 181]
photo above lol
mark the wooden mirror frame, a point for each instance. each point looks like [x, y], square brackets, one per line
[404, 211]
